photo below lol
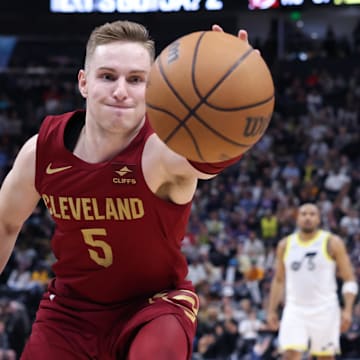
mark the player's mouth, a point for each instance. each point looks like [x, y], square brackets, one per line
[120, 107]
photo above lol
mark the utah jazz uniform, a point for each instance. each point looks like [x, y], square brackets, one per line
[312, 312]
[117, 246]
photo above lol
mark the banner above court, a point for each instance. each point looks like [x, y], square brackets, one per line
[166, 6]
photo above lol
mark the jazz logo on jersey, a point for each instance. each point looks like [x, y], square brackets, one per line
[263, 4]
[309, 256]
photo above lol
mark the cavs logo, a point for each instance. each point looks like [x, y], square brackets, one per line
[263, 4]
[124, 176]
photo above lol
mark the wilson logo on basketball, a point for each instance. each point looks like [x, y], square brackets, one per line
[173, 52]
[256, 125]
[122, 179]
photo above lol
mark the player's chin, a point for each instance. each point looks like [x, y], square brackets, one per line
[308, 229]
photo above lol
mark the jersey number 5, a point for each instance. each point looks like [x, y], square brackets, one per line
[103, 254]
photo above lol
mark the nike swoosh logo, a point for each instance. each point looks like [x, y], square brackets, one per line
[50, 170]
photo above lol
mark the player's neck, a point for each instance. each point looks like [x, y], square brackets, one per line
[95, 147]
[307, 236]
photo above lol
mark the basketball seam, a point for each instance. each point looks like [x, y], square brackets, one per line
[185, 126]
[245, 107]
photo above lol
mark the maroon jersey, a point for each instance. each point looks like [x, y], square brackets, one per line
[114, 239]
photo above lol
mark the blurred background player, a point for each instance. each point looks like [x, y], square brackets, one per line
[308, 262]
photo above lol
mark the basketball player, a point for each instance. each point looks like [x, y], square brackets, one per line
[120, 199]
[308, 262]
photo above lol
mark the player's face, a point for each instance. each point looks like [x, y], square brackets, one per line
[308, 218]
[114, 84]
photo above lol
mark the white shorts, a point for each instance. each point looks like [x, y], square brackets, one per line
[316, 329]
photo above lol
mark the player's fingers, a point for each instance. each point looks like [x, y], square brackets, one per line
[243, 35]
[217, 27]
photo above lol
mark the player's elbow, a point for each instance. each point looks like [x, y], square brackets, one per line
[9, 230]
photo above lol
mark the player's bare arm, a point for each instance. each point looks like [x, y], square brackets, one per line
[345, 270]
[169, 175]
[18, 198]
[277, 287]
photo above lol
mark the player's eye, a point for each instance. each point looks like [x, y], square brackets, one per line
[136, 79]
[107, 76]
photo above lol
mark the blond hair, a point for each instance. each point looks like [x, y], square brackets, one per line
[120, 30]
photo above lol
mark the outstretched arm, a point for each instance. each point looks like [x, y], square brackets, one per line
[18, 198]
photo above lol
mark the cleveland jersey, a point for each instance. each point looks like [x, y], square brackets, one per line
[114, 240]
[310, 271]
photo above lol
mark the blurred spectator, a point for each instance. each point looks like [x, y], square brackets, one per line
[253, 277]
[254, 247]
[6, 353]
[220, 344]
[196, 271]
[350, 223]
[314, 101]
[214, 224]
[335, 182]
[249, 330]
[269, 228]
[17, 323]
[19, 280]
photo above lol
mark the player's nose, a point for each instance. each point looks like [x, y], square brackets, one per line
[120, 89]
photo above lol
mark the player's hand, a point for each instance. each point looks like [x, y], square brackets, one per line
[242, 34]
[346, 318]
[273, 320]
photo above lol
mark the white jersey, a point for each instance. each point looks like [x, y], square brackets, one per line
[310, 271]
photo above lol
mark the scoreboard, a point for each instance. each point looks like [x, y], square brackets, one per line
[164, 6]
[147, 6]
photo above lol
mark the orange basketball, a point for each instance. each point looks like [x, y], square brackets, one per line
[210, 96]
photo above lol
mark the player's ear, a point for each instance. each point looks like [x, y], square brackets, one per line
[82, 84]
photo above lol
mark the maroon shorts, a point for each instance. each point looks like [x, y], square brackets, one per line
[67, 329]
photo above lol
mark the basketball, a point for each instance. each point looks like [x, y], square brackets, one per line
[210, 96]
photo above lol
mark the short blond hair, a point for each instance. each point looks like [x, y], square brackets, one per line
[120, 30]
